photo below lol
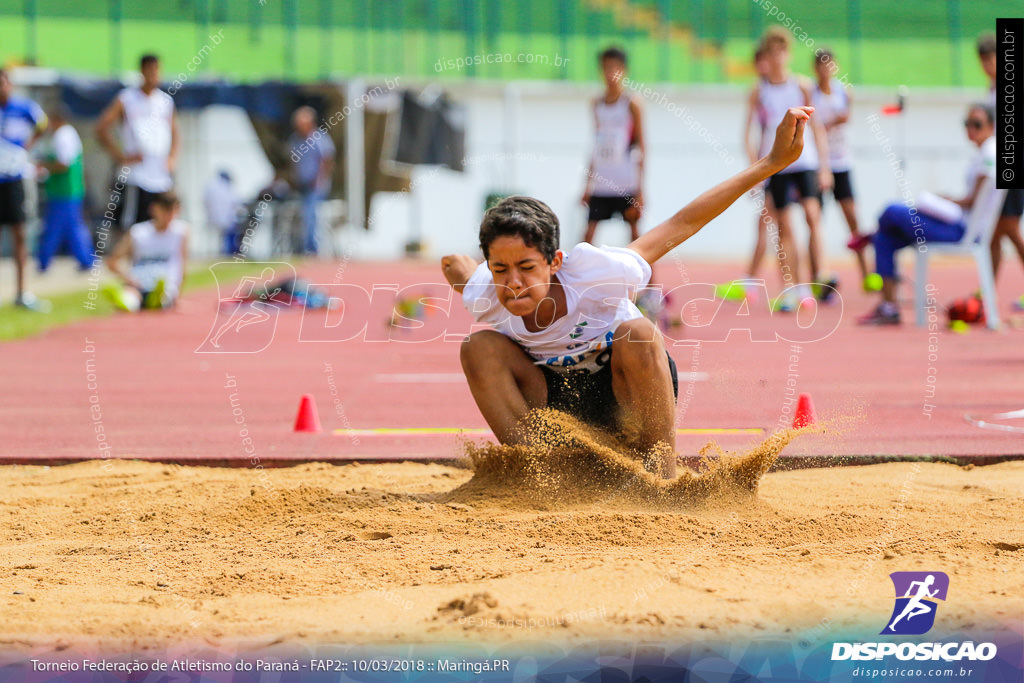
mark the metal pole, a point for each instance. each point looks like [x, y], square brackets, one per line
[355, 183]
[853, 22]
[665, 47]
[326, 36]
[291, 11]
[31, 31]
[955, 32]
[116, 14]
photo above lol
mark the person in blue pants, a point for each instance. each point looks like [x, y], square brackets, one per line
[902, 225]
[64, 186]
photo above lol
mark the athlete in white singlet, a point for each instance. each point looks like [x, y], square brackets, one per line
[615, 178]
[149, 142]
[771, 99]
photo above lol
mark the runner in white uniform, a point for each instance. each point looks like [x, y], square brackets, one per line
[831, 102]
[149, 141]
[615, 179]
[808, 174]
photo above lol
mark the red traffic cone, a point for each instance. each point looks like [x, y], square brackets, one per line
[804, 412]
[307, 420]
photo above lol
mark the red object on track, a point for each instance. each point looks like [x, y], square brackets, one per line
[804, 412]
[307, 420]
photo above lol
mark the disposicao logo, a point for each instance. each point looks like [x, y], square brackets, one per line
[917, 596]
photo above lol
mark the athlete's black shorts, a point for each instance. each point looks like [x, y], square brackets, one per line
[12, 202]
[603, 208]
[589, 397]
[133, 206]
[805, 183]
[1014, 204]
[842, 188]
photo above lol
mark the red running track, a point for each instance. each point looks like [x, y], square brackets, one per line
[134, 386]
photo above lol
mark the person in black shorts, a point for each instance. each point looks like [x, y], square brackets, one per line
[615, 174]
[589, 397]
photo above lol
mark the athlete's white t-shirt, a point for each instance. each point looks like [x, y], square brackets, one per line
[614, 166]
[146, 130]
[67, 145]
[983, 163]
[156, 255]
[599, 284]
[774, 100]
[829, 107]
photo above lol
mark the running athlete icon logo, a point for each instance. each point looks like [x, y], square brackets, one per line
[248, 309]
[916, 596]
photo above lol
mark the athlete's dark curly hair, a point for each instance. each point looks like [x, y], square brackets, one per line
[529, 218]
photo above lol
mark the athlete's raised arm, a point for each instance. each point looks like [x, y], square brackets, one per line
[789, 142]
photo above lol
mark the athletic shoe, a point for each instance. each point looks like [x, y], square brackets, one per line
[30, 302]
[884, 314]
[826, 291]
[1018, 305]
[122, 299]
[859, 242]
[155, 298]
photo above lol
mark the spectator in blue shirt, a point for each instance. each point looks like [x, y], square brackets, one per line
[312, 157]
[21, 123]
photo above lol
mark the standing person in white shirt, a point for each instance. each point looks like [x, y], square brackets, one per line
[831, 101]
[157, 250]
[773, 96]
[615, 178]
[222, 210]
[149, 141]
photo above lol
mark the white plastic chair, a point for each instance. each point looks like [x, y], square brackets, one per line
[981, 223]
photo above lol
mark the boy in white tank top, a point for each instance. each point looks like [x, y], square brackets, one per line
[148, 145]
[808, 175]
[615, 176]
[157, 250]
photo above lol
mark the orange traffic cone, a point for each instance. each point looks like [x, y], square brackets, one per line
[307, 420]
[804, 412]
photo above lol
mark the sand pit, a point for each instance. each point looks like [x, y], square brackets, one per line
[129, 554]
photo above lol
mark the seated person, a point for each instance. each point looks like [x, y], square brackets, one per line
[157, 249]
[901, 225]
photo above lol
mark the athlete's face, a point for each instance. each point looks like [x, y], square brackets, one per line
[613, 70]
[522, 276]
[151, 74]
[978, 127]
[5, 87]
[824, 70]
[778, 57]
[761, 66]
[162, 215]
